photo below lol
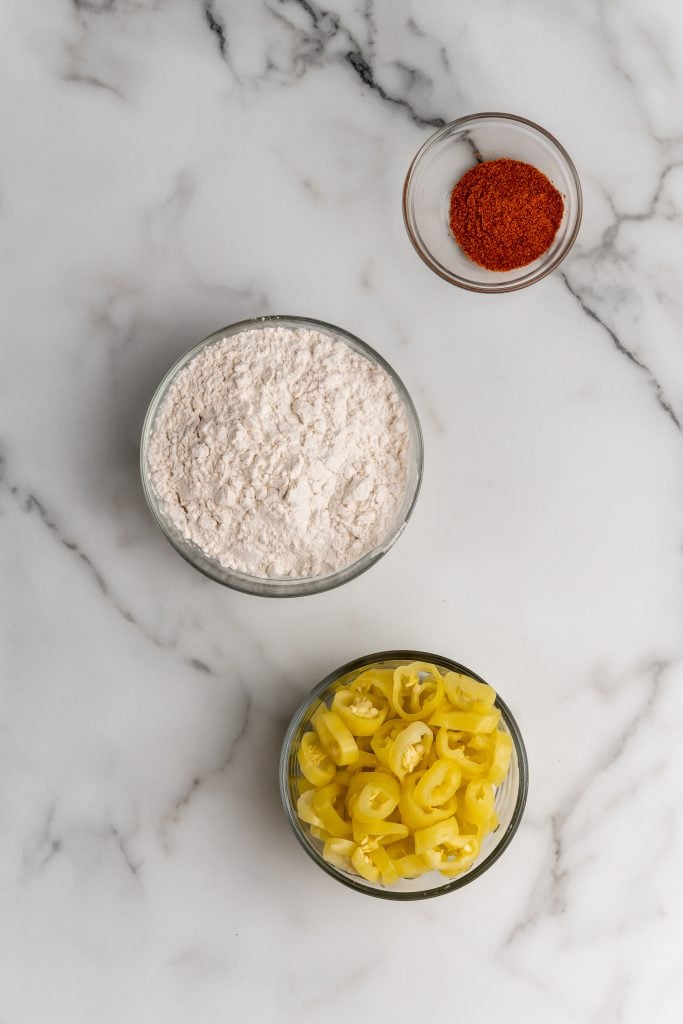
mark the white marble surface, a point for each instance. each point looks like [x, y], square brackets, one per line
[170, 166]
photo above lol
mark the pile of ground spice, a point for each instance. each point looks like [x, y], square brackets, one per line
[505, 213]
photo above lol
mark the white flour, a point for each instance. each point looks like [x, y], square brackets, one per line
[281, 452]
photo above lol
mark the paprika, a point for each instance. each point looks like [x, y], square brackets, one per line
[505, 213]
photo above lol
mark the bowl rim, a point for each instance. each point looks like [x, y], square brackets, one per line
[282, 587]
[359, 885]
[503, 287]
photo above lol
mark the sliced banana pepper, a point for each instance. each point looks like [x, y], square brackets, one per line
[306, 810]
[478, 802]
[467, 694]
[502, 753]
[317, 766]
[336, 739]
[455, 746]
[378, 830]
[399, 776]
[439, 783]
[417, 817]
[453, 856]
[361, 860]
[466, 721]
[324, 804]
[409, 749]
[444, 849]
[379, 681]
[384, 737]
[429, 838]
[417, 690]
[411, 866]
[338, 852]
[377, 799]
[361, 713]
[388, 872]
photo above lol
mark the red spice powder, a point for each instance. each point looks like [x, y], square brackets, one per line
[505, 213]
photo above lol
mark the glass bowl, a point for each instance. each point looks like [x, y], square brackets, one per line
[284, 586]
[510, 796]
[442, 161]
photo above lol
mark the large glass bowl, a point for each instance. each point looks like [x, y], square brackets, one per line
[440, 164]
[510, 796]
[284, 586]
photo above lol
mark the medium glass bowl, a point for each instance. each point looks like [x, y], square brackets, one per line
[441, 163]
[284, 586]
[510, 796]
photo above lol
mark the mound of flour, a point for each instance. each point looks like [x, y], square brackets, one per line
[281, 452]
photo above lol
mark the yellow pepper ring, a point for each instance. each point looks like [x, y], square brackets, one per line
[387, 869]
[453, 856]
[306, 810]
[407, 862]
[338, 852]
[379, 830]
[384, 737]
[361, 713]
[502, 753]
[317, 766]
[439, 783]
[451, 746]
[435, 835]
[479, 801]
[377, 799]
[362, 778]
[401, 847]
[324, 806]
[375, 680]
[411, 866]
[409, 749]
[336, 739]
[466, 721]
[467, 694]
[361, 860]
[417, 690]
[417, 817]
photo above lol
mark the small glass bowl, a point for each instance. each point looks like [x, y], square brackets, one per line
[284, 586]
[441, 163]
[510, 796]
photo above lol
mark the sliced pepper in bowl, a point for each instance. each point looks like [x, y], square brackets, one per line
[400, 772]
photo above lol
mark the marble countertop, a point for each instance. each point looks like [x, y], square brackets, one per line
[170, 166]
